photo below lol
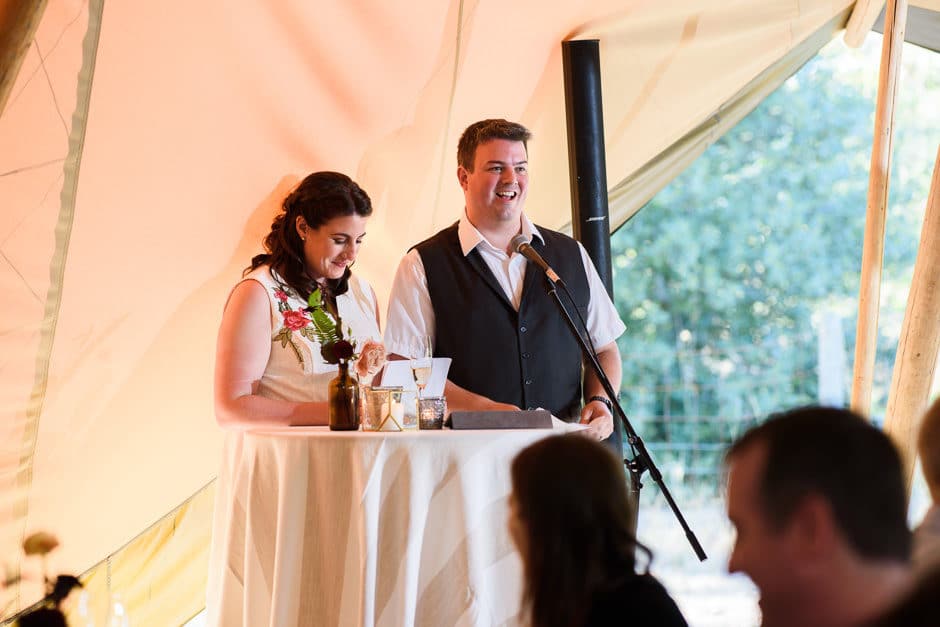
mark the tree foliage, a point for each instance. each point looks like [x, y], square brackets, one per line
[720, 276]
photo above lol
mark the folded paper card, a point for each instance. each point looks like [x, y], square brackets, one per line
[398, 374]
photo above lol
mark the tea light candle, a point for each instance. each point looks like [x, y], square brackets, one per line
[397, 413]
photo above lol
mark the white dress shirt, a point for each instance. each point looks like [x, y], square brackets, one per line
[411, 316]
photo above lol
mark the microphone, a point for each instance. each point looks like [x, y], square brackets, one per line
[520, 244]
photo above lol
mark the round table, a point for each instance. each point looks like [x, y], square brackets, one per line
[319, 527]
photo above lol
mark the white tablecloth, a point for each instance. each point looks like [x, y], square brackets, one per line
[314, 527]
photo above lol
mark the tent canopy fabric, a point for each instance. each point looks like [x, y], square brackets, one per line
[145, 147]
[923, 26]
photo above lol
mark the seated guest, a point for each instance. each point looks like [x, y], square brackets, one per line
[570, 517]
[926, 552]
[819, 504]
[269, 370]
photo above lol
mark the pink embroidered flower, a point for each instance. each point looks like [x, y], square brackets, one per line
[281, 295]
[295, 320]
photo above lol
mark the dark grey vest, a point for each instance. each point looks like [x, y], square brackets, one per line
[529, 358]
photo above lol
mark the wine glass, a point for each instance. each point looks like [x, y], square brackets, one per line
[421, 366]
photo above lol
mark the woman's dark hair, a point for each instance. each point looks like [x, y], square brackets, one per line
[319, 198]
[571, 496]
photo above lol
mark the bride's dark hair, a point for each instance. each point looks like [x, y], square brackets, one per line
[319, 198]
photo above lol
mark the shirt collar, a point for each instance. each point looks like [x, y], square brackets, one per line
[470, 237]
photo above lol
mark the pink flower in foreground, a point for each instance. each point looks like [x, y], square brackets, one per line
[342, 350]
[39, 543]
[371, 359]
[295, 320]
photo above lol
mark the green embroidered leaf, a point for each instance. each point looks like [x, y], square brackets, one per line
[284, 336]
[297, 354]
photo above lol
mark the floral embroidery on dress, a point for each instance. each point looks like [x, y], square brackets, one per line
[293, 320]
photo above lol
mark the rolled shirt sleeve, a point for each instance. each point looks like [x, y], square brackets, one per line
[410, 314]
[603, 321]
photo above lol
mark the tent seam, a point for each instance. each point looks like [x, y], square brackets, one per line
[172, 512]
[71, 169]
[623, 200]
[450, 108]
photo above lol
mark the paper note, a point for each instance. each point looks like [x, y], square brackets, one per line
[398, 373]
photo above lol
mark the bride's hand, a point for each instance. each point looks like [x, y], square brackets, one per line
[371, 359]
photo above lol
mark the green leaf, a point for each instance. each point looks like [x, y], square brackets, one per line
[283, 336]
[297, 354]
[323, 326]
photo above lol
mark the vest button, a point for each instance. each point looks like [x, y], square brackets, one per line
[522, 329]
[530, 408]
[525, 355]
[528, 381]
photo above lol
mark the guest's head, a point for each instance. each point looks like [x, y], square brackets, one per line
[493, 171]
[315, 238]
[817, 498]
[928, 447]
[571, 518]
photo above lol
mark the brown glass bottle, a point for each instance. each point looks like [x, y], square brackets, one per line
[344, 401]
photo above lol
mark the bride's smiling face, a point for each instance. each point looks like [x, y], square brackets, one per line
[333, 247]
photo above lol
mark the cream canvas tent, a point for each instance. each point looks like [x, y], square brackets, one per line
[144, 147]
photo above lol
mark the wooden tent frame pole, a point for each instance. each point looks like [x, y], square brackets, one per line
[869, 296]
[919, 344]
[18, 23]
[864, 15]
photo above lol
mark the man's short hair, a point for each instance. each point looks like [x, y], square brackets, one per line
[928, 447]
[482, 132]
[840, 456]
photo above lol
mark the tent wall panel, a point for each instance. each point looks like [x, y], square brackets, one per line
[120, 247]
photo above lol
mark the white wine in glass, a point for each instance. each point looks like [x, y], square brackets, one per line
[421, 373]
[421, 367]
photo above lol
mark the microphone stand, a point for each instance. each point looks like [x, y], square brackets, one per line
[641, 461]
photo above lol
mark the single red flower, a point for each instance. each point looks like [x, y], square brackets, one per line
[295, 320]
[281, 295]
[342, 350]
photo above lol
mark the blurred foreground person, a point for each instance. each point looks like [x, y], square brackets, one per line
[570, 517]
[926, 552]
[819, 504]
[920, 608]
